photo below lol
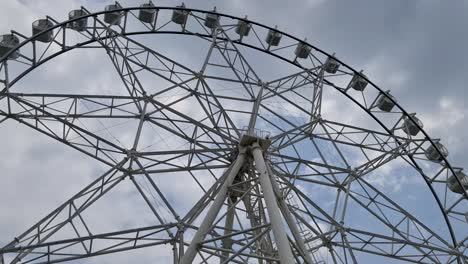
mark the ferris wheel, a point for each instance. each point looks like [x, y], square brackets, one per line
[295, 157]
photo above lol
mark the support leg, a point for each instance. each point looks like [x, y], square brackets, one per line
[213, 211]
[281, 238]
[227, 242]
[289, 219]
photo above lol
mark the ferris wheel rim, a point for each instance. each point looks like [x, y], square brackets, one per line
[126, 9]
[403, 111]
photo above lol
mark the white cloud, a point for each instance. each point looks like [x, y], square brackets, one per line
[38, 174]
[447, 120]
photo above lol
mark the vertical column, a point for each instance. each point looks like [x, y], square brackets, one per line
[214, 210]
[181, 243]
[175, 257]
[316, 109]
[289, 219]
[227, 241]
[281, 237]
[254, 114]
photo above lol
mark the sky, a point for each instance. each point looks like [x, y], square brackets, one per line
[416, 49]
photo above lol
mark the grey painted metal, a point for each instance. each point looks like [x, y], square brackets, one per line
[93, 192]
[227, 241]
[281, 238]
[254, 114]
[337, 134]
[385, 102]
[412, 126]
[147, 15]
[9, 42]
[273, 38]
[289, 217]
[40, 30]
[359, 82]
[115, 17]
[302, 50]
[212, 20]
[243, 28]
[331, 65]
[191, 252]
[80, 24]
[454, 184]
[437, 152]
[180, 16]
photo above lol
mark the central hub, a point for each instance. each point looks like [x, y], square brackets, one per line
[248, 139]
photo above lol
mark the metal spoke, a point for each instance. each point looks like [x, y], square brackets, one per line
[123, 240]
[275, 177]
[67, 212]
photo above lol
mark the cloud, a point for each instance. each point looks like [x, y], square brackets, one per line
[414, 48]
[447, 121]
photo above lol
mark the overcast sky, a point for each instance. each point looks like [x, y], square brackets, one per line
[416, 48]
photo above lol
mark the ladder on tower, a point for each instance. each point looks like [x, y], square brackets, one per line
[255, 215]
[305, 233]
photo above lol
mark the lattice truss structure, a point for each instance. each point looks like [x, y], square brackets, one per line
[280, 177]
